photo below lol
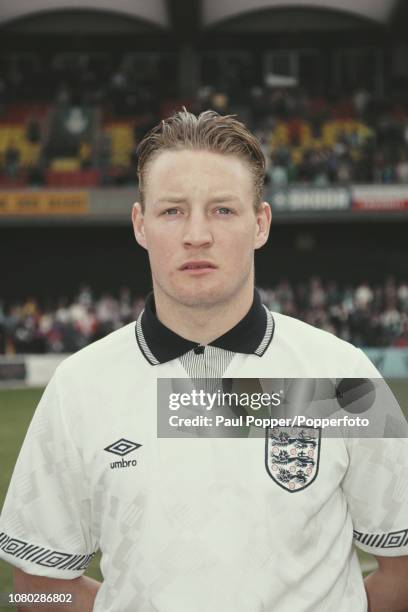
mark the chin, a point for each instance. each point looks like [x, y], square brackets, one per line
[202, 296]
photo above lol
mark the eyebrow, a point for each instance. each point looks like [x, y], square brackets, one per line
[170, 200]
[180, 199]
[225, 198]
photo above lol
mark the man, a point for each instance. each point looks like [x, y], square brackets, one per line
[189, 525]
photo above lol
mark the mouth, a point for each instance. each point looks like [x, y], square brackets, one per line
[198, 267]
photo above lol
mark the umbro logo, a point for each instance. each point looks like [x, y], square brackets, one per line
[122, 447]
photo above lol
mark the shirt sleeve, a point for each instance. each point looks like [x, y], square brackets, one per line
[45, 522]
[376, 482]
[376, 489]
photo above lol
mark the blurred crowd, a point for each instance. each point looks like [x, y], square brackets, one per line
[308, 136]
[67, 326]
[132, 83]
[365, 315]
[333, 139]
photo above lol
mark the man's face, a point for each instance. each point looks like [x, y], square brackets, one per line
[199, 226]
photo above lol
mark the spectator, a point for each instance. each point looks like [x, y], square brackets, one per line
[401, 170]
[33, 130]
[363, 296]
[103, 152]
[11, 160]
[85, 154]
[278, 176]
[361, 100]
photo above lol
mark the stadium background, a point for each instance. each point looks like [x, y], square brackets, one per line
[323, 84]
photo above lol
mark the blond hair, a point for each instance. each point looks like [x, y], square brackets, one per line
[208, 131]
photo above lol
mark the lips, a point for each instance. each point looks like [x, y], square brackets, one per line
[197, 265]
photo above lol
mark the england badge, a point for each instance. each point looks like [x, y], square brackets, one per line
[292, 456]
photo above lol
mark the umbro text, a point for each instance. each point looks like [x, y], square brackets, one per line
[123, 463]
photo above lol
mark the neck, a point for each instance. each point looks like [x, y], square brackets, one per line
[203, 324]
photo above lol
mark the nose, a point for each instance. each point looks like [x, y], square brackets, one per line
[197, 231]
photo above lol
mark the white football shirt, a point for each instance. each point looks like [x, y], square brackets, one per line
[199, 524]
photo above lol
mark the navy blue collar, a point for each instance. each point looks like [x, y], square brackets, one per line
[159, 344]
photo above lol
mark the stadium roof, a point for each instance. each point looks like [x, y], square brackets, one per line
[218, 10]
[184, 15]
[154, 11]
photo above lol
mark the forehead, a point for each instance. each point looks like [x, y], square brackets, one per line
[204, 172]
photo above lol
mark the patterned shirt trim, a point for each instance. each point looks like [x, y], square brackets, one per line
[43, 556]
[270, 329]
[393, 539]
[142, 342]
[211, 364]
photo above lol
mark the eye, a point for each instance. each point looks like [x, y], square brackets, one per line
[170, 211]
[224, 210]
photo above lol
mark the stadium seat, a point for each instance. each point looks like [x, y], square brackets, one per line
[65, 164]
[76, 178]
[121, 135]
[29, 152]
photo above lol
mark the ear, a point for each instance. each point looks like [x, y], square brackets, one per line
[263, 224]
[138, 224]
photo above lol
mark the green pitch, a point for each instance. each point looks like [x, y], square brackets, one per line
[16, 409]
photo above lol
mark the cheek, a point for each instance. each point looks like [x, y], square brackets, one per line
[239, 238]
[161, 246]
